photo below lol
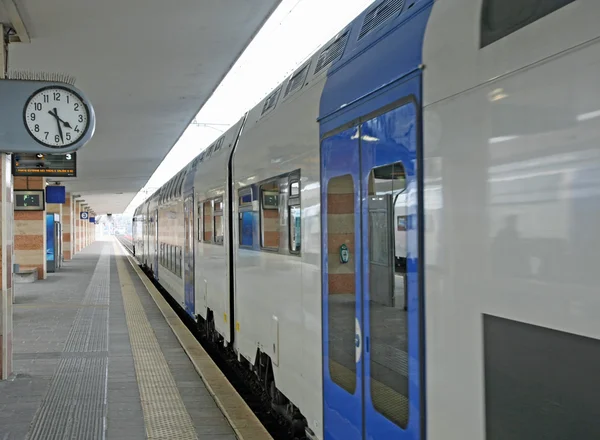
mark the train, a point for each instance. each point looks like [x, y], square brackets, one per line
[400, 240]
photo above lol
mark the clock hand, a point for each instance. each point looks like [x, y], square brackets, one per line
[58, 123]
[66, 124]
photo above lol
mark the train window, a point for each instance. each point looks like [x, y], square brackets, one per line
[500, 18]
[341, 296]
[294, 188]
[177, 264]
[387, 292]
[246, 219]
[199, 221]
[218, 221]
[246, 228]
[207, 220]
[245, 197]
[180, 261]
[172, 258]
[178, 268]
[294, 215]
[269, 215]
[168, 256]
[295, 228]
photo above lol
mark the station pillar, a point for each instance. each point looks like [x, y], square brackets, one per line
[30, 231]
[6, 265]
[77, 226]
[6, 242]
[67, 211]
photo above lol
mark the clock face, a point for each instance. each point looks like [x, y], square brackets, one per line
[56, 117]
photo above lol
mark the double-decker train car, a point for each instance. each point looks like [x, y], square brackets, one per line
[400, 240]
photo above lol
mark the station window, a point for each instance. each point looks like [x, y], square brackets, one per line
[294, 215]
[207, 219]
[500, 18]
[269, 215]
[218, 221]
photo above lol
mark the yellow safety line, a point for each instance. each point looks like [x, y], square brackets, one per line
[165, 414]
[241, 418]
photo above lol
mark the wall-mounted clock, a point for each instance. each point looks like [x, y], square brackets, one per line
[56, 116]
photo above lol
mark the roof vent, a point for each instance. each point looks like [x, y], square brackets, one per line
[296, 81]
[271, 101]
[381, 13]
[332, 52]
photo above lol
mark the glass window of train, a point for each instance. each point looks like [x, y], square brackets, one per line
[245, 197]
[500, 18]
[269, 215]
[294, 188]
[218, 221]
[341, 292]
[246, 228]
[173, 258]
[207, 221]
[199, 217]
[294, 213]
[387, 292]
[295, 223]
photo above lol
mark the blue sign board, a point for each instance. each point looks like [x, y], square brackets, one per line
[83, 215]
[92, 219]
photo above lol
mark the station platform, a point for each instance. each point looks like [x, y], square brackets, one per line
[99, 354]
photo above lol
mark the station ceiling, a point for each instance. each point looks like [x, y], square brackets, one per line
[148, 66]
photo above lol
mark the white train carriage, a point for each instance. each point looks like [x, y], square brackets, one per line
[212, 275]
[401, 238]
[277, 241]
[170, 237]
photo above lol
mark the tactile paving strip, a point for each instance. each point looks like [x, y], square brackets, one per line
[165, 414]
[75, 404]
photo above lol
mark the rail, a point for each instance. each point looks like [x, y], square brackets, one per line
[127, 242]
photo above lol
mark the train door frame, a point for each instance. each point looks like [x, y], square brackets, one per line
[340, 425]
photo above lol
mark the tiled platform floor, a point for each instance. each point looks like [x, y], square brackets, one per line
[76, 376]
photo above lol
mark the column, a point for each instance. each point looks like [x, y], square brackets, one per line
[30, 231]
[66, 228]
[6, 244]
[93, 229]
[6, 265]
[77, 223]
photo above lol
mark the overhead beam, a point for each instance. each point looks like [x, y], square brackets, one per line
[16, 21]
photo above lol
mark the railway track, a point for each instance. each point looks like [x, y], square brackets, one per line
[126, 242]
[242, 379]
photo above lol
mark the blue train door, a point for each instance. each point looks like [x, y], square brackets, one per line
[188, 275]
[371, 309]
